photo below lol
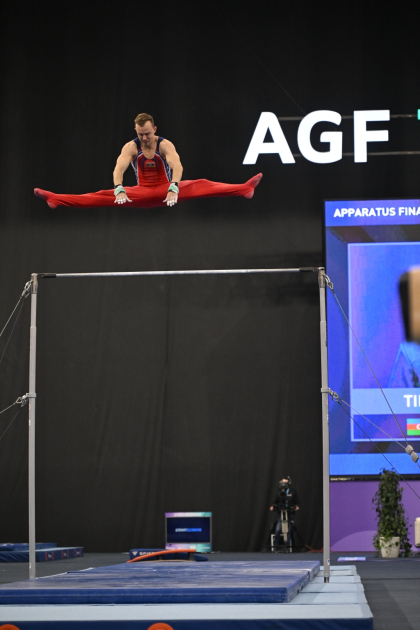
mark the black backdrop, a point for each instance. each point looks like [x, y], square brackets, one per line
[179, 394]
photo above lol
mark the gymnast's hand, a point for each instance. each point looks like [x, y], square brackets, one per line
[122, 198]
[172, 196]
[120, 195]
[171, 199]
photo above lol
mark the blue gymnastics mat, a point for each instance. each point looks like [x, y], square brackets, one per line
[25, 546]
[339, 605]
[167, 583]
[43, 553]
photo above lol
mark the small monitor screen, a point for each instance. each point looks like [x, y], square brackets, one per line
[188, 528]
[369, 245]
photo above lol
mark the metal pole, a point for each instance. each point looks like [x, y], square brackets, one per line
[325, 424]
[32, 397]
[188, 272]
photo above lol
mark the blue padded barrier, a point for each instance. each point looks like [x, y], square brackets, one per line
[134, 553]
[25, 546]
[166, 583]
[42, 554]
[365, 623]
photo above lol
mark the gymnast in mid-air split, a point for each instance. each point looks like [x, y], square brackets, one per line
[156, 164]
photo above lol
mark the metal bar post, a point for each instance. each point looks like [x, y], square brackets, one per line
[32, 398]
[32, 366]
[325, 423]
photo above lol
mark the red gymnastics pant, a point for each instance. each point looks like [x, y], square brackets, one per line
[152, 196]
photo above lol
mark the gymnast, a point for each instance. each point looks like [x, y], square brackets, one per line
[156, 164]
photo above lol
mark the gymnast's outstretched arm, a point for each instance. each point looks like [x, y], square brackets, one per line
[173, 159]
[128, 154]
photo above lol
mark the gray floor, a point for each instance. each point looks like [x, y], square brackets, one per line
[392, 587]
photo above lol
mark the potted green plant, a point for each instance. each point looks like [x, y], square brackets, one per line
[391, 539]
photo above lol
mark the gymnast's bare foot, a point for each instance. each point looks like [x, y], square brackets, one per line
[43, 194]
[254, 181]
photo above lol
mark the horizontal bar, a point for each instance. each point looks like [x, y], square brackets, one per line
[190, 272]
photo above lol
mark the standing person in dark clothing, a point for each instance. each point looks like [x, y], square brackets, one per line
[285, 504]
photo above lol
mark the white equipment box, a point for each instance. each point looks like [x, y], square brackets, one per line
[417, 532]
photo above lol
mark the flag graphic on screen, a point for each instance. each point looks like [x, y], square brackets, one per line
[413, 426]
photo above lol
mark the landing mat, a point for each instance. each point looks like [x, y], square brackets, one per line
[42, 554]
[25, 546]
[168, 583]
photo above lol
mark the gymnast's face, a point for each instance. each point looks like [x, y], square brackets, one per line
[146, 134]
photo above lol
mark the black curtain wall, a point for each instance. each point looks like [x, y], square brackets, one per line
[183, 393]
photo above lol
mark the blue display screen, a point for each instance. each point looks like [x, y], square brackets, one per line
[369, 245]
[188, 529]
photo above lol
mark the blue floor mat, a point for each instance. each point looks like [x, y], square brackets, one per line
[25, 546]
[42, 554]
[167, 583]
